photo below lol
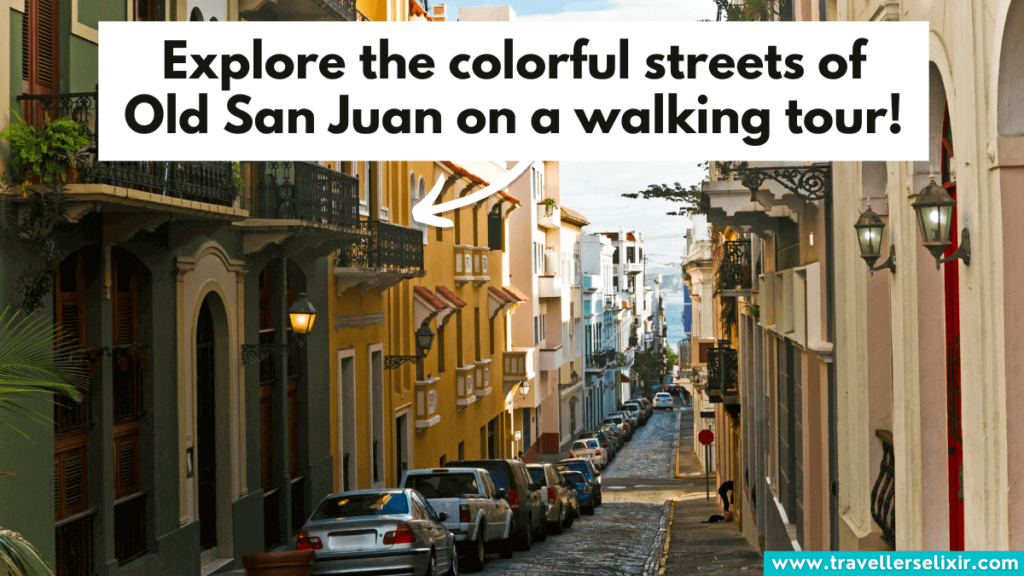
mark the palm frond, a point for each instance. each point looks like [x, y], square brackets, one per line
[37, 361]
[18, 557]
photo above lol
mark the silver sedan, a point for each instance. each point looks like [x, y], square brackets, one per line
[377, 531]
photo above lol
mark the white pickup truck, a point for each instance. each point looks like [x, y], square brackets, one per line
[478, 514]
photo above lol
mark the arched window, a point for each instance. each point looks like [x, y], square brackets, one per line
[196, 15]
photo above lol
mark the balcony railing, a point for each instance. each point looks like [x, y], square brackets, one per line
[74, 546]
[130, 528]
[209, 182]
[346, 9]
[723, 375]
[301, 191]
[385, 245]
[735, 270]
[883, 494]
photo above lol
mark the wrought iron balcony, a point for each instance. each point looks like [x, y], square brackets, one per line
[386, 246]
[209, 182]
[299, 10]
[301, 191]
[735, 271]
[723, 375]
[883, 494]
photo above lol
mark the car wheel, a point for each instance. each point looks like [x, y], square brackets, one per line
[526, 539]
[475, 553]
[542, 532]
[431, 565]
[453, 564]
[589, 510]
[569, 519]
[505, 548]
[556, 527]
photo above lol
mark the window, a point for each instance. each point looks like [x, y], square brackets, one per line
[495, 229]
[458, 337]
[440, 349]
[630, 255]
[145, 10]
[533, 183]
[534, 257]
[476, 332]
[615, 256]
[490, 335]
[536, 331]
[543, 326]
[615, 283]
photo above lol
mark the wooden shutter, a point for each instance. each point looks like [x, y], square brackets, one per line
[69, 300]
[267, 437]
[71, 475]
[127, 459]
[126, 303]
[145, 10]
[494, 231]
[40, 71]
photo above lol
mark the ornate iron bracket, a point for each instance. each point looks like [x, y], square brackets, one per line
[889, 264]
[256, 353]
[811, 182]
[392, 362]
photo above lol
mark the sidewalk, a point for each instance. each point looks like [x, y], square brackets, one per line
[696, 548]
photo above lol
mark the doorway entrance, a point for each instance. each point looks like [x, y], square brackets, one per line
[401, 446]
[206, 428]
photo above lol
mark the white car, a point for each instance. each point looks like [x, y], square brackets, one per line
[663, 400]
[589, 449]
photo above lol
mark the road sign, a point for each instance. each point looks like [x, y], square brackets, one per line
[706, 437]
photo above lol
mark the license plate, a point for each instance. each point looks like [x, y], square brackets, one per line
[352, 540]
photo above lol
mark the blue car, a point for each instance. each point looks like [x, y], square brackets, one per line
[583, 492]
[585, 467]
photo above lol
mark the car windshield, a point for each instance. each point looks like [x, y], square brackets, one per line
[580, 466]
[357, 505]
[443, 485]
[496, 468]
[538, 476]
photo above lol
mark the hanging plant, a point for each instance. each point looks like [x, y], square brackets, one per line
[549, 206]
[47, 153]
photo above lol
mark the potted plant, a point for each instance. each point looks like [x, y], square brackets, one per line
[142, 353]
[50, 153]
[549, 206]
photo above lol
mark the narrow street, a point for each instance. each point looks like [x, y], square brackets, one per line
[643, 504]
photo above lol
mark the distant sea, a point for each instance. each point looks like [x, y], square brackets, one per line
[674, 304]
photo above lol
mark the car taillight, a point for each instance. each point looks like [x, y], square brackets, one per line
[586, 489]
[571, 455]
[402, 534]
[597, 452]
[304, 542]
[513, 499]
[551, 494]
[464, 513]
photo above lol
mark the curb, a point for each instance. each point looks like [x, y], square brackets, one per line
[656, 560]
[668, 538]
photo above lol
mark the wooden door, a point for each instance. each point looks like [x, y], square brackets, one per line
[206, 428]
[40, 58]
[951, 273]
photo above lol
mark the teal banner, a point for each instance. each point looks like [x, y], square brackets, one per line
[863, 563]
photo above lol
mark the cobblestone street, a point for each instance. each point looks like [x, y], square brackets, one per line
[651, 453]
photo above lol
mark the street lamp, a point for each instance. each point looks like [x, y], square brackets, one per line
[934, 207]
[869, 236]
[524, 388]
[301, 316]
[424, 340]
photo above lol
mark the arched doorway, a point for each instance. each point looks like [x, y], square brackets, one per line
[206, 427]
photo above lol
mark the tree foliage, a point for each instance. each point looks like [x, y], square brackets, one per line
[749, 10]
[687, 197]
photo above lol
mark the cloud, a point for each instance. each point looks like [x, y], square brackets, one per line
[633, 11]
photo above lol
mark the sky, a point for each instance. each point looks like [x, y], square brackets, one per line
[594, 188]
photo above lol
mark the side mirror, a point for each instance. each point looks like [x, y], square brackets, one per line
[442, 516]
[502, 494]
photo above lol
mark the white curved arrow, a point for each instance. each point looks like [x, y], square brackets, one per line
[426, 212]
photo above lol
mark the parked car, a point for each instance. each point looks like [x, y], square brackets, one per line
[663, 400]
[574, 502]
[478, 513]
[587, 468]
[620, 422]
[631, 423]
[589, 449]
[602, 440]
[648, 405]
[582, 489]
[616, 435]
[559, 507]
[391, 530]
[636, 410]
[528, 508]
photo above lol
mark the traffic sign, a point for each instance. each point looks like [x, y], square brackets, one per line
[706, 437]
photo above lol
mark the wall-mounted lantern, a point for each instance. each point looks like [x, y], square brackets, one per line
[934, 207]
[424, 340]
[301, 316]
[869, 236]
